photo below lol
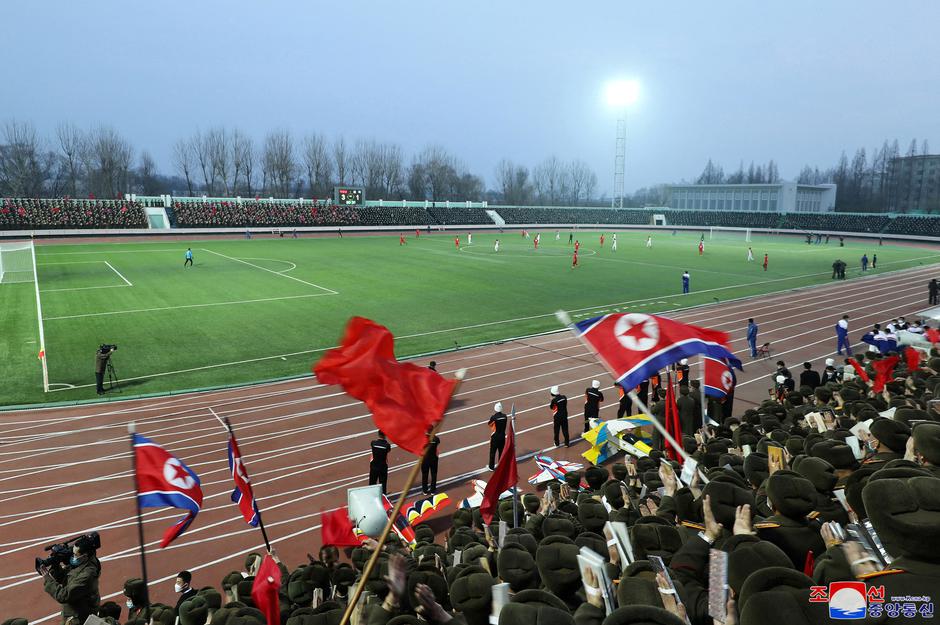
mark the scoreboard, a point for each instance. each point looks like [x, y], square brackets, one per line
[349, 196]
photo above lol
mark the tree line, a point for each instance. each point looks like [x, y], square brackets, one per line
[226, 162]
[862, 180]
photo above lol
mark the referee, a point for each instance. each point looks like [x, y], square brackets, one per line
[378, 466]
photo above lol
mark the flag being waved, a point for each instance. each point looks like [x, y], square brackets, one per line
[242, 495]
[265, 589]
[634, 346]
[504, 477]
[719, 377]
[672, 423]
[164, 481]
[405, 400]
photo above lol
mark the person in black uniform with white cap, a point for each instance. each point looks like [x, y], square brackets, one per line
[592, 403]
[497, 425]
[378, 466]
[559, 406]
[429, 466]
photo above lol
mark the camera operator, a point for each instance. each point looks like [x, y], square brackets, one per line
[101, 365]
[77, 589]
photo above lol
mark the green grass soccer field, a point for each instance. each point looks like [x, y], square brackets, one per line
[258, 309]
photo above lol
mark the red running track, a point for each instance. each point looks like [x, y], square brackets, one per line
[65, 471]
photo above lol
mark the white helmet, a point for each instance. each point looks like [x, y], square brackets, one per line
[553, 390]
[595, 384]
[684, 361]
[498, 407]
[830, 362]
[781, 379]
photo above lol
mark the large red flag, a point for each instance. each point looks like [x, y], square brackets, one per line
[504, 477]
[265, 589]
[672, 420]
[859, 370]
[336, 529]
[405, 400]
[912, 358]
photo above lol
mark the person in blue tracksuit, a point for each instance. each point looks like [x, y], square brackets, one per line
[752, 337]
[685, 282]
[842, 336]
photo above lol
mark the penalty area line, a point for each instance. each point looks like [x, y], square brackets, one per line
[277, 273]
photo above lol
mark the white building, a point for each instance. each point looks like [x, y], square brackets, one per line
[782, 197]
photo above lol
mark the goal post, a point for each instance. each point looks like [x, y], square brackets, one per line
[17, 263]
[729, 234]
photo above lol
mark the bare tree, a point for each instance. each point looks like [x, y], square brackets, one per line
[24, 163]
[242, 158]
[219, 152]
[712, 174]
[183, 161]
[392, 174]
[278, 163]
[366, 164]
[71, 141]
[341, 158]
[514, 183]
[109, 157]
[582, 183]
[147, 175]
[547, 180]
[316, 164]
[203, 154]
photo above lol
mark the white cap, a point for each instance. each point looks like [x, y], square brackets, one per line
[553, 390]
[595, 384]
[830, 362]
[781, 379]
[498, 407]
[684, 361]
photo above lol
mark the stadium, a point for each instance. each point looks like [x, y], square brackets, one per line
[331, 386]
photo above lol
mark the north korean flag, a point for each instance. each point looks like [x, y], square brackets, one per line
[634, 346]
[242, 495]
[719, 377]
[164, 481]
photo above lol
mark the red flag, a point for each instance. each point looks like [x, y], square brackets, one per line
[859, 370]
[634, 346]
[504, 477]
[337, 529]
[242, 495]
[912, 358]
[265, 589]
[933, 335]
[405, 400]
[884, 369]
[672, 420]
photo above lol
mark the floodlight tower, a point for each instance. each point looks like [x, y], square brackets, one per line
[620, 95]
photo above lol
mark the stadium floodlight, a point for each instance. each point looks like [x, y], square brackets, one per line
[621, 93]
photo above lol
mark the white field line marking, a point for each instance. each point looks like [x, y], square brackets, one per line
[107, 252]
[404, 336]
[73, 262]
[277, 260]
[182, 306]
[120, 275]
[42, 334]
[238, 260]
[86, 288]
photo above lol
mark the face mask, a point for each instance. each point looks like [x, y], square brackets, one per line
[872, 446]
[75, 560]
[178, 588]
[130, 604]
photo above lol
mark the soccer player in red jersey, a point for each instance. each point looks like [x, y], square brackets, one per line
[701, 247]
[574, 260]
[457, 242]
[602, 240]
[401, 240]
[577, 246]
[765, 262]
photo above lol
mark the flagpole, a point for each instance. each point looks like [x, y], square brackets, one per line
[702, 395]
[566, 320]
[231, 432]
[515, 496]
[131, 430]
[409, 481]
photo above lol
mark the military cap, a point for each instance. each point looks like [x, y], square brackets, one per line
[651, 479]
[593, 515]
[462, 538]
[16, 621]
[471, 593]
[927, 441]
[568, 507]
[531, 503]
[431, 578]
[505, 510]
[109, 608]
[593, 541]
[818, 471]
[557, 562]
[244, 591]
[424, 532]
[836, 453]
[212, 597]
[906, 415]
[405, 619]
[823, 394]
[619, 471]
[238, 616]
[645, 464]
[772, 578]
[595, 477]
[516, 566]
[755, 468]
[613, 493]
[655, 539]
[729, 477]
[638, 585]
[559, 524]
[783, 606]
[344, 576]
[899, 469]
[161, 614]
[642, 615]
[794, 445]
[473, 553]
[194, 611]
[462, 517]
[890, 433]
[906, 515]
[725, 499]
[522, 537]
[573, 479]
[537, 607]
[792, 495]
[747, 554]
[810, 441]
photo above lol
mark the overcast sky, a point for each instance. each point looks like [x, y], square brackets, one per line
[798, 80]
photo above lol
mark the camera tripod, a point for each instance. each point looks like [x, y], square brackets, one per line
[113, 382]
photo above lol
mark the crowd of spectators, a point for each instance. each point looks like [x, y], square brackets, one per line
[786, 490]
[914, 225]
[462, 216]
[66, 213]
[835, 222]
[728, 219]
[545, 215]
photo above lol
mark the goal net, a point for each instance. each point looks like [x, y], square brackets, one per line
[16, 263]
[730, 234]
